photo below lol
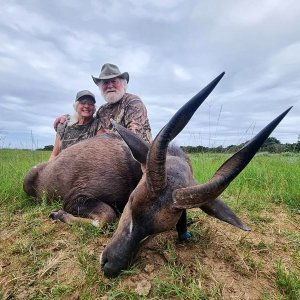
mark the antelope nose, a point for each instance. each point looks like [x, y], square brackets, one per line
[109, 270]
[108, 267]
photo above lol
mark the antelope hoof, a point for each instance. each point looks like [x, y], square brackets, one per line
[59, 215]
[184, 236]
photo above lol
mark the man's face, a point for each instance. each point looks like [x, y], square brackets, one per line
[112, 89]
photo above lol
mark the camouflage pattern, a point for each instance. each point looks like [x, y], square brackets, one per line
[75, 133]
[130, 112]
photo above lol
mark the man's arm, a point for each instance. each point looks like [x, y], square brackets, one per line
[60, 120]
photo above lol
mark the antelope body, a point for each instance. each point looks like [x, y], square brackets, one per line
[93, 179]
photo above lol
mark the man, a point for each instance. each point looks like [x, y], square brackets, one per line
[126, 109]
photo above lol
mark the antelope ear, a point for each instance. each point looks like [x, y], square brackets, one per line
[138, 146]
[219, 210]
[215, 208]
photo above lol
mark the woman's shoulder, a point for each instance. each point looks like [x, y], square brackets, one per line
[96, 124]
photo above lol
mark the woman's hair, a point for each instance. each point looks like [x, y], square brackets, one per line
[74, 117]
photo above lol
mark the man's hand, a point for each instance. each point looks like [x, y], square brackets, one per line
[60, 120]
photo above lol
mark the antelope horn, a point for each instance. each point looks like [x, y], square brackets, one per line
[198, 195]
[156, 173]
[139, 148]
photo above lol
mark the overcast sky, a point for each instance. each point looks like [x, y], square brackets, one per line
[171, 50]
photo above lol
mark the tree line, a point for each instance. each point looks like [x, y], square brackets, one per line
[271, 145]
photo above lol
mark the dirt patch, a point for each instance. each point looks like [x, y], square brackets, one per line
[238, 265]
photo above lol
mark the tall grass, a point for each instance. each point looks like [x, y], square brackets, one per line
[268, 179]
[13, 166]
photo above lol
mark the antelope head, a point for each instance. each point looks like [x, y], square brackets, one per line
[167, 187]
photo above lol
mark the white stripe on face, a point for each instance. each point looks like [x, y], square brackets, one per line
[131, 226]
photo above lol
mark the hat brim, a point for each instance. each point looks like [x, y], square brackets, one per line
[86, 96]
[124, 75]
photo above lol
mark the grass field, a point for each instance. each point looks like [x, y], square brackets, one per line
[43, 259]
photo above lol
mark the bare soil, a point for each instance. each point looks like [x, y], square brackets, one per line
[241, 265]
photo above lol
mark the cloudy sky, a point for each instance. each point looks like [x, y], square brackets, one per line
[171, 49]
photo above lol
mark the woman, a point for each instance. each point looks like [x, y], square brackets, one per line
[81, 126]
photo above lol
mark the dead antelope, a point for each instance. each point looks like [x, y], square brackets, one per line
[167, 187]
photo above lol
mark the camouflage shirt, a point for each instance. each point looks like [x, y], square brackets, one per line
[130, 112]
[75, 133]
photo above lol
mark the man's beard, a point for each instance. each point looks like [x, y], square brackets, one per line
[113, 97]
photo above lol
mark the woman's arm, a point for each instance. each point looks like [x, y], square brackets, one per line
[57, 147]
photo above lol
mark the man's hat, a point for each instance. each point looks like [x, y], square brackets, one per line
[109, 71]
[85, 94]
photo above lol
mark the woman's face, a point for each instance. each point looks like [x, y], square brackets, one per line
[85, 108]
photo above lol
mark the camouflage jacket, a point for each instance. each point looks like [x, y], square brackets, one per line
[130, 112]
[75, 133]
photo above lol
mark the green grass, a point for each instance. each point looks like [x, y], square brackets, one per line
[268, 179]
[288, 282]
[181, 286]
[42, 259]
[13, 166]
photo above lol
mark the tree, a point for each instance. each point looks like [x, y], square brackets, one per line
[47, 148]
[271, 145]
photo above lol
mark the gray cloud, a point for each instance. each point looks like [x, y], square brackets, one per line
[172, 49]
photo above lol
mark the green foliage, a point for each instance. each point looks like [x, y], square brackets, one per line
[47, 148]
